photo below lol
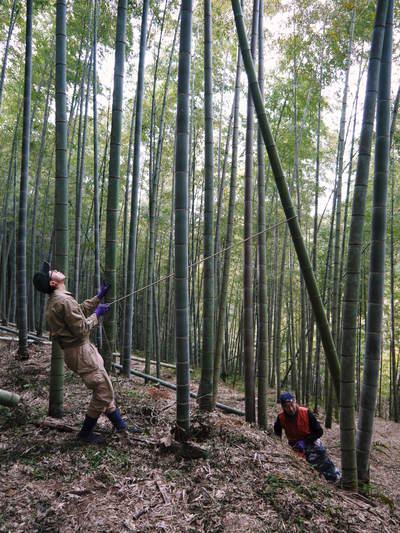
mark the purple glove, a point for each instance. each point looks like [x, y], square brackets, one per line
[102, 309]
[103, 289]
[299, 446]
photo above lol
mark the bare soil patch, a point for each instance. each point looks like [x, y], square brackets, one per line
[249, 481]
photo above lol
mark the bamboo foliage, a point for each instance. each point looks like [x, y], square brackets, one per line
[7, 48]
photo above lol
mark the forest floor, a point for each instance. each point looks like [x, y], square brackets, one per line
[250, 482]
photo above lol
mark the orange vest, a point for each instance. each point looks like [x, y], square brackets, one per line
[296, 427]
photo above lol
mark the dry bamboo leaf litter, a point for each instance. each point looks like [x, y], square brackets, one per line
[250, 482]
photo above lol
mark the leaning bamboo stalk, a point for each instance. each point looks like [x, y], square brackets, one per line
[287, 203]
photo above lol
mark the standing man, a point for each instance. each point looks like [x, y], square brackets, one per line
[303, 432]
[70, 325]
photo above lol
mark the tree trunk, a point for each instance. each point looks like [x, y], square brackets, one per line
[127, 345]
[248, 326]
[151, 329]
[373, 333]
[113, 185]
[56, 405]
[96, 214]
[394, 407]
[181, 226]
[4, 218]
[261, 247]
[32, 263]
[229, 235]
[207, 364]
[22, 315]
[352, 283]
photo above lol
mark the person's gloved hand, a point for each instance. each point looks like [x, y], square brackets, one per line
[299, 446]
[103, 289]
[102, 309]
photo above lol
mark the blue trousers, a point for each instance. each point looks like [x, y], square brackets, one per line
[317, 457]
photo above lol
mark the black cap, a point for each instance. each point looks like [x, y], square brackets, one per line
[41, 279]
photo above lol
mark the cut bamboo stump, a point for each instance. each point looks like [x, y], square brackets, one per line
[9, 399]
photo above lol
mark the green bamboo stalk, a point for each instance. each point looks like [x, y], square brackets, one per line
[248, 301]
[56, 399]
[181, 224]
[394, 407]
[207, 361]
[152, 336]
[96, 221]
[353, 267]
[110, 273]
[127, 345]
[373, 333]
[229, 235]
[262, 246]
[32, 293]
[22, 314]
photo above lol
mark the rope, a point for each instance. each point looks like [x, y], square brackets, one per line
[196, 263]
[105, 336]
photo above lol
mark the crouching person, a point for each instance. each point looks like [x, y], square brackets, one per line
[303, 432]
[70, 324]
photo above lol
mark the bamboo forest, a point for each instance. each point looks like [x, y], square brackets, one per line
[199, 248]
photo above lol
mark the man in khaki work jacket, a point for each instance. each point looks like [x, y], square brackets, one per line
[70, 325]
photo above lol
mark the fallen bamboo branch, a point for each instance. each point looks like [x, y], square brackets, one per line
[9, 399]
[152, 362]
[51, 423]
[226, 408]
[42, 340]
[15, 339]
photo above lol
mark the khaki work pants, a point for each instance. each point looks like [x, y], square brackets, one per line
[86, 361]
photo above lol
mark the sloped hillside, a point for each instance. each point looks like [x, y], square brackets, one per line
[248, 482]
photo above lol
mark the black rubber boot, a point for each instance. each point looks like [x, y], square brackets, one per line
[120, 425]
[86, 433]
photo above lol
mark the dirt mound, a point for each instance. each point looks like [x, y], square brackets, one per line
[248, 481]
